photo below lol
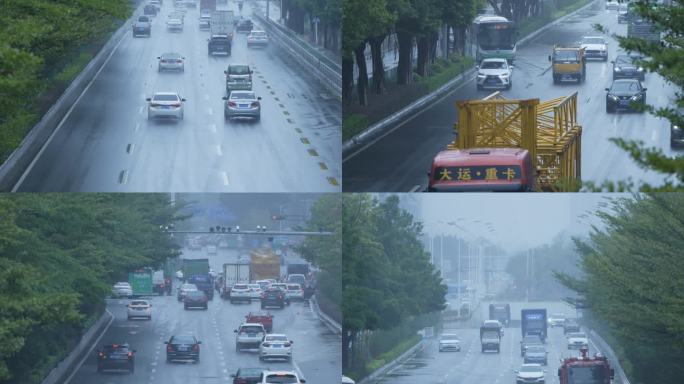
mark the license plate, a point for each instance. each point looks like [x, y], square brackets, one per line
[243, 105]
[624, 102]
[164, 107]
[251, 334]
[182, 349]
[277, 345]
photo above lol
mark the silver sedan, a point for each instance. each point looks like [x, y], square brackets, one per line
[165, 104]
[171, 61]
[242, 104]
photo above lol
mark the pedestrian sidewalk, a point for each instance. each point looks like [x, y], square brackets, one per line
[308, 36]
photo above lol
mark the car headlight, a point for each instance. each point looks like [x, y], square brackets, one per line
[676, 128]
[617, 69]
[640, 69]
[612, 97]
[637, 97]
[504, 75]
[481, 76]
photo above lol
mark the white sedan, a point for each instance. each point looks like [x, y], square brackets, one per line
[577, 340]
[140, 308]
[122, 288]
[275, 346]
[595, 47]
[165, 104]
[612, 4]
[255, 291]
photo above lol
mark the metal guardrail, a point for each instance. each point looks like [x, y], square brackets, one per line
[394, 363]
[607, 351]
[325, 69]
[327, 320]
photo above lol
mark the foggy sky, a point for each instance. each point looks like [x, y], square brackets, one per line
[518, 221]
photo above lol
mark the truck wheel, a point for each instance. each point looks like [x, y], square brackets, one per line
[237, 348]
[555, 79]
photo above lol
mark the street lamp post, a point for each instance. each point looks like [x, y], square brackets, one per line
[316, 20]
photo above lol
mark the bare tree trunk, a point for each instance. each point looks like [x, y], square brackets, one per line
[433, 47]
[378, 85]
[362, 81]
[404, 66]
[347, 79]
[423, 56]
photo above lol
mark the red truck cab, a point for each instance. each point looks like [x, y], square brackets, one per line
[482, 170]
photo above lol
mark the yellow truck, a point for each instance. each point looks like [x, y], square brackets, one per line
[264, 264]
[568, 63]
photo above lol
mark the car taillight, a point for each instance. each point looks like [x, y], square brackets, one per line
[255, 104]
[179, 61]
[266, 345]
[101, 354]
[163, 61]
[169, 348]
[232, 104]
[176, 105]
[287, 344]
[195, 347]
[130, 355]
[154, 105]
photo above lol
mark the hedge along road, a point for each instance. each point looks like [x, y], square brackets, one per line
[399, 161]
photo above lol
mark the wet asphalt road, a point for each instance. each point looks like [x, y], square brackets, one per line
[316, 353]
[471, 366]
[107, 144]
[399, 161]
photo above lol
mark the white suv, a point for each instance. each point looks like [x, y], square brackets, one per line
[240, 292]
[276, 346]
[249, 335]
[281, 377]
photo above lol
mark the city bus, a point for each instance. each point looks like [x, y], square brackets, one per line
[491, 36]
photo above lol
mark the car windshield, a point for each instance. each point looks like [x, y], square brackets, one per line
[139, 302]
[259, 34]
[251, 329]
[281, 378]
[165, 97]
[195, 294]
[577, 335]
[593, 40]
[242, 95]
[625, 86]
[532, 340]
[239, 286]
[493, 65]
[115, 348]
[565, 56]
[122, 285]
[586, 374]
[276, 338]
[183, 340]
[449, 337]
[530, 369]
[168, 56]
[255, 286]
[293, 287]
[557, 316]
[249, 372]
[189, 287]
[143, 19]
[535, 349]
[238, 69]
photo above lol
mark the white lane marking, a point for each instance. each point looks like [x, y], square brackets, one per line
[137, 126]
[210, 111]
[415, 188]
[86, 355]
[59, 126]
[653, 135]
[142, 108]
[218, 150]
[213, 128]
[206, 97]
[224, 175]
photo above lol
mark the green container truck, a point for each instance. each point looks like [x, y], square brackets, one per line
[195, 267]
[141, 282]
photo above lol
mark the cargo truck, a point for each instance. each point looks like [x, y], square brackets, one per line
[233, 273]
[500, 312]
[207, 6]
[264, 264]
[196, 271]
[141, 282]
[298, 268]
[490, 337]
[534, 322]
[221, 27]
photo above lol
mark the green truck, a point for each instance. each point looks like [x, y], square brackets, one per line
[141, 281]
[195, 267]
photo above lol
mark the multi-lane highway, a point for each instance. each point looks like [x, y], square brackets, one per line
[316, 353]
[471, 366]
[106, 142]
[399, 161]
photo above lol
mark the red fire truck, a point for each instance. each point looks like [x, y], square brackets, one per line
[585, 369]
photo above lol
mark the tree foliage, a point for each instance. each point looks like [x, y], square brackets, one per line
[387, 276]
[634, 276]
[59, 255]
[38, 38]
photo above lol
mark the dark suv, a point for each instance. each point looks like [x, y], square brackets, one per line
[247, 376]
[273, 297]
[183, 348]
[196, 299]
[244, 25]
[626, 67]
[625, 94]
[116, 356]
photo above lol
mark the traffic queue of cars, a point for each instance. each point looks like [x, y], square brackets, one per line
[240, 102]
[254, 334]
